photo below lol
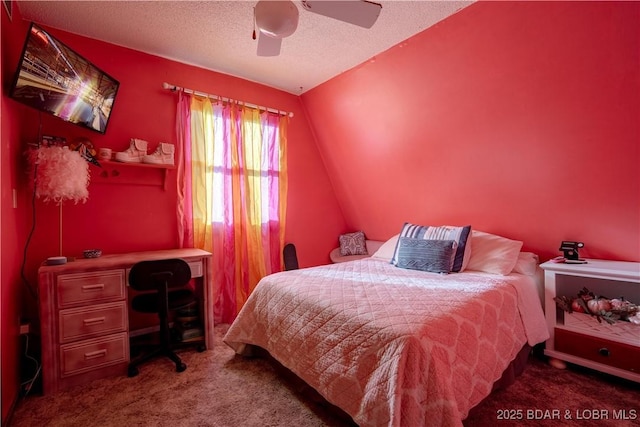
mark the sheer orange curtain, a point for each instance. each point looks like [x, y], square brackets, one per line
[233, 190]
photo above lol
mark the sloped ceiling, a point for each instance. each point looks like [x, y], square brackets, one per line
[217, 35]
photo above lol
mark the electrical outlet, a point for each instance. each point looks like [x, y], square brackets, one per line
[24, 329]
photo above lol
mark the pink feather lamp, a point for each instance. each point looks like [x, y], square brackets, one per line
[60, 175]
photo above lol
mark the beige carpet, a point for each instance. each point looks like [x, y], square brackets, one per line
[221, 389]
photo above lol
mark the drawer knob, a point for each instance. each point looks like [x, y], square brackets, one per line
[604, 351]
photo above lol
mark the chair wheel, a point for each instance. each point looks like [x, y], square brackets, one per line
[132, 371]
[201, 348]
[181, 367]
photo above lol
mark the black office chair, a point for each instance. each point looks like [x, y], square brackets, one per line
[290, 257]
[168, 279]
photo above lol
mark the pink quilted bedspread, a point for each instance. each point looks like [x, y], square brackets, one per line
[392, 347]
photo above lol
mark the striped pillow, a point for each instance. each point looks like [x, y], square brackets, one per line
[458, 234]
[435, 256]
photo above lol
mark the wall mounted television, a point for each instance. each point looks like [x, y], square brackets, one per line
[53, 78]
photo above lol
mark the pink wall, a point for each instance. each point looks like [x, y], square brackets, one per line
[519, 118]
[10, 259]
[133, 211]
[13, 224]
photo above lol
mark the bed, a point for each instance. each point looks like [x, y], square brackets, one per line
[393, 346]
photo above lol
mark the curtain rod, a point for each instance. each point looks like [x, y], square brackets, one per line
[175, 88]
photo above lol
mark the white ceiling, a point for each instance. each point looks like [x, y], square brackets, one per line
[216, 35]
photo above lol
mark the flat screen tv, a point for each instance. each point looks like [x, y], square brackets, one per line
[53, 78]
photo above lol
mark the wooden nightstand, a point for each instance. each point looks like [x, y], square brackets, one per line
[579, 338]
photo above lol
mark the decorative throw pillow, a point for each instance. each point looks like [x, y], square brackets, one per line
[435, 256]
[445, 232]
[353, 244]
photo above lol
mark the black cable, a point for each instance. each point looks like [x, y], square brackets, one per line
[27, 385]
[25, 281]
[26, 245]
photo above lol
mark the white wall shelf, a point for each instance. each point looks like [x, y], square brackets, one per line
[110, 172]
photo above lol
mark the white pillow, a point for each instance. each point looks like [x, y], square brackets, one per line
[526, 264]
[387, 249]
[494, 254]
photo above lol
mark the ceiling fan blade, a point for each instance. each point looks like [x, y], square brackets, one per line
[268, 46]
[358, 12]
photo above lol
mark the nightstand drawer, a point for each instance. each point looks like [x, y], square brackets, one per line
[599, 350]
[89, 288]
[93, 354]
[86, 322]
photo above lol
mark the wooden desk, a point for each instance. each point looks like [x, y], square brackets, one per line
[84, 316]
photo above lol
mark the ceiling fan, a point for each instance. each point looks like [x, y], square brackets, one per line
[277, 19]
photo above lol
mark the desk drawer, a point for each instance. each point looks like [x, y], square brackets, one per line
[93, 354]
[90, 288]
[196, 268]
[85, 322]
[616, 354]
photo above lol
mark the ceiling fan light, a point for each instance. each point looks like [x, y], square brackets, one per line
[276, 18]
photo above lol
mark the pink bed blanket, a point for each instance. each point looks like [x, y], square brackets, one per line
[390, 346]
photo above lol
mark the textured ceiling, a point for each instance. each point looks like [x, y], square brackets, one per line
[217, 35]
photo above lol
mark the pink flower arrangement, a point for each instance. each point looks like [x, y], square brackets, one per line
[609, 310]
